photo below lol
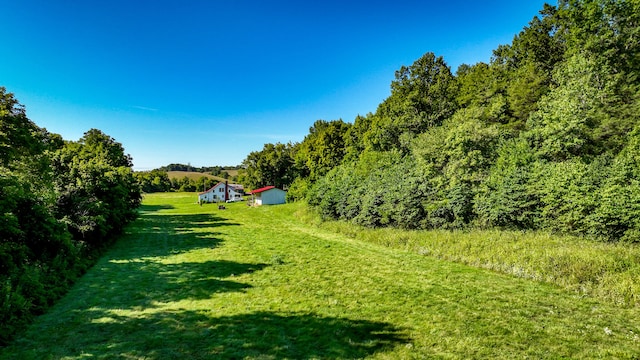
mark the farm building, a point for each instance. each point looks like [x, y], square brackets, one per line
[269, 195]
[222, 192]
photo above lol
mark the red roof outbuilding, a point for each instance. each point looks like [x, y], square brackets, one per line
[256, 191]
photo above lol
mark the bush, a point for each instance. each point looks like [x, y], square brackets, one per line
[505, 199]
[37, 257]
[380, 189]
[298, 189]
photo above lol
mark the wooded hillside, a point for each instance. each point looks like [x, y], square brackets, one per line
[545, 135]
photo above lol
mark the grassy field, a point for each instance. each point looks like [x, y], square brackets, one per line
[231, 172]
[609, 271]
[190, 281]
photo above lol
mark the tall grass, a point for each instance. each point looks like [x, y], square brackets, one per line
[609, 271]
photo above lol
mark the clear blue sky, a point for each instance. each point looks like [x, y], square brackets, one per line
[207, 82]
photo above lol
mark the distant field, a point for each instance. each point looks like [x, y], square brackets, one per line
[231, 172]
[195, 282]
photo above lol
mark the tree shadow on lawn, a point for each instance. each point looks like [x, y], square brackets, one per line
[140, 269]
[141, 283]
[123, 306]
[162, 235]
[197, 335]
[182, 221]
[143, 208]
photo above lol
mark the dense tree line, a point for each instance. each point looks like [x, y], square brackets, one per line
[213, 170]
[543, 136]
[153, 181]
[187, 184]
[159, 181]
[61, 203]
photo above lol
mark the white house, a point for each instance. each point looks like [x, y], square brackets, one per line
[269, 195]
[222, 192]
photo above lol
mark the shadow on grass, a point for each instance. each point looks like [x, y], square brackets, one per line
[124, 314]
[141, 269]
[154, 235]
[139, 278]
[140, 283]
[197, 335]
[152, 208]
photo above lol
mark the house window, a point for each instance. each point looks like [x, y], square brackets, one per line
[220, 190]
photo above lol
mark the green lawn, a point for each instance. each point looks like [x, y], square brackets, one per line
[190, 282]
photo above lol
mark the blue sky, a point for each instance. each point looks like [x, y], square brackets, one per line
[207, 82]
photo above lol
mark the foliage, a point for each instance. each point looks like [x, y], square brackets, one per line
[97, 192]
[422, 96]
[272, 166]
[322, 149]
[36, 256]
[298, 190]
[153, 181]
[617, 214]
[455, 158]
[51, 190]
[541, 137]
[505, 199]
[383, 190]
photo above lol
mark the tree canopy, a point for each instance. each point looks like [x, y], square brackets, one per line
[60, 203]
[542, 136]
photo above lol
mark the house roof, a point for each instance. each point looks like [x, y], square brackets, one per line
[256, 191]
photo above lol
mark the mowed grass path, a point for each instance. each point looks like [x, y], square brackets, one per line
[192, 282]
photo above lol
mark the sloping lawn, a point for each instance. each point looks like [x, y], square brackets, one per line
[195, 282]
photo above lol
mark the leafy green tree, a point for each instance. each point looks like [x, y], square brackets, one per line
[568, 193]
[526, 65]
[563, 127]
[507, 198]
[97, 192]
[18, 134]
[542, 137]
[455, 159]
[606, 33]
[617, 211]
[422, 96]
[379, 189]
[273, 165]
[354, 136]
[322, 149]
[153, 181]
[37, 256]
[484, 87]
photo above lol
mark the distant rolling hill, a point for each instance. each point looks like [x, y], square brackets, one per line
[231, 172]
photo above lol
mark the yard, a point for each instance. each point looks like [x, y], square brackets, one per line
[191, 281]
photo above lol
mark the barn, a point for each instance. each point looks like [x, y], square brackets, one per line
[268, 195]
